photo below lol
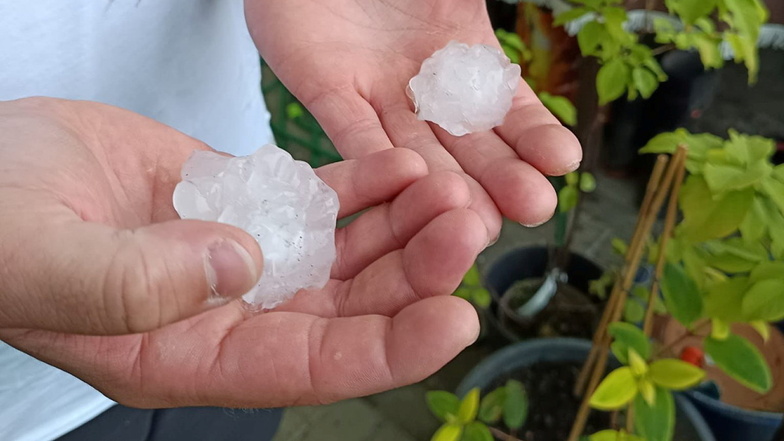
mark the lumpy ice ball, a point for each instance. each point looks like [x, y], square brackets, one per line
[465, 89]
[280, 202]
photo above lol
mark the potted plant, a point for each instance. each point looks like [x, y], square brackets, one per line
[626, 67]
[524, 393]
[639, 394]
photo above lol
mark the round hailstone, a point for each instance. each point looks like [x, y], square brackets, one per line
[281, 202]
[465, 89]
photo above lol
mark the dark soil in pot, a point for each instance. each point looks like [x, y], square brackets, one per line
[570, 312]
[514, 277]
[551, 404]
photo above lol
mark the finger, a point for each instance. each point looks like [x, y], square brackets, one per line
[538, 137]
[432, 264]
[82, 277]
[372, 179]
[271, 360]
[520, 191]
[406, 131]
[390, 226]
[350, 122]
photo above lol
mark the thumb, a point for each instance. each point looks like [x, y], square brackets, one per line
[94, 279]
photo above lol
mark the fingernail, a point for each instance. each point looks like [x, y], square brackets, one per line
[534, 225]
[230, 269]
[493, 241]
[571, 167]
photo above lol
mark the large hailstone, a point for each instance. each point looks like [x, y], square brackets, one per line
[280, 202]
[465, 89]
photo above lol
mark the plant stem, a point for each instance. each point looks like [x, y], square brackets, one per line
[630, 418]
[669, 226]
[698, 326]
[645, 223]
[503, 436]
[662, 49]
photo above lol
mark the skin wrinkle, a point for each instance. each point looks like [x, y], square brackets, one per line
[315, 346]
[388, 347]
[341, 298]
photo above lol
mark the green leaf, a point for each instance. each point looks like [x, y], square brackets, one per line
[464, 293]
[744, 48]
[587, 182]
[633, 312]
[709, 49]
[724, 300]
[637, 364]
[645, 81]
[294, 111]
[741, 360]
[647, 391]
[666, 142]
[567, 198]
[619, 246]
[491, 408]
[482, 298]
[511, 39]
[469, 406]
[656, 68]
[681, 295]
[442, 403]
[476, 431]
[472, 277]
[721, 178]
[775, 191]
[733, 255]
[767, 270]
[694, 264]
[613, 435]
[589, 37]
[707, 216]
[765, 301]
[778, 172]
[572, 179]
[611, 80]
[448, 432]
[762, 329]
[630, 337]
[615, 391]
[655, 422]
[560, 106]
[753, 227]
[515, 405]
[570, 15]
[690, 10]
[748, 15]
[720, 329]
[675, 374]
[774, 219]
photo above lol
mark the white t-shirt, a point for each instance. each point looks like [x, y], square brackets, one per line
[187, 63]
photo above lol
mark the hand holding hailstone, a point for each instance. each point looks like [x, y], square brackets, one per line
[292, 213]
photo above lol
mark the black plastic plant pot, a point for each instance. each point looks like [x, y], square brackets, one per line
[525, 356]
[531, 263]
[735, 423]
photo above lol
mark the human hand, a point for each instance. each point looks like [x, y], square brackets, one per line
[101, 278]
[349, 63]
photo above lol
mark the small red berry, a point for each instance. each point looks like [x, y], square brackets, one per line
[693, 355]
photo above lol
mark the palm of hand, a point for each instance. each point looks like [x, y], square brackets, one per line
[106, 172]
[349, 63]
